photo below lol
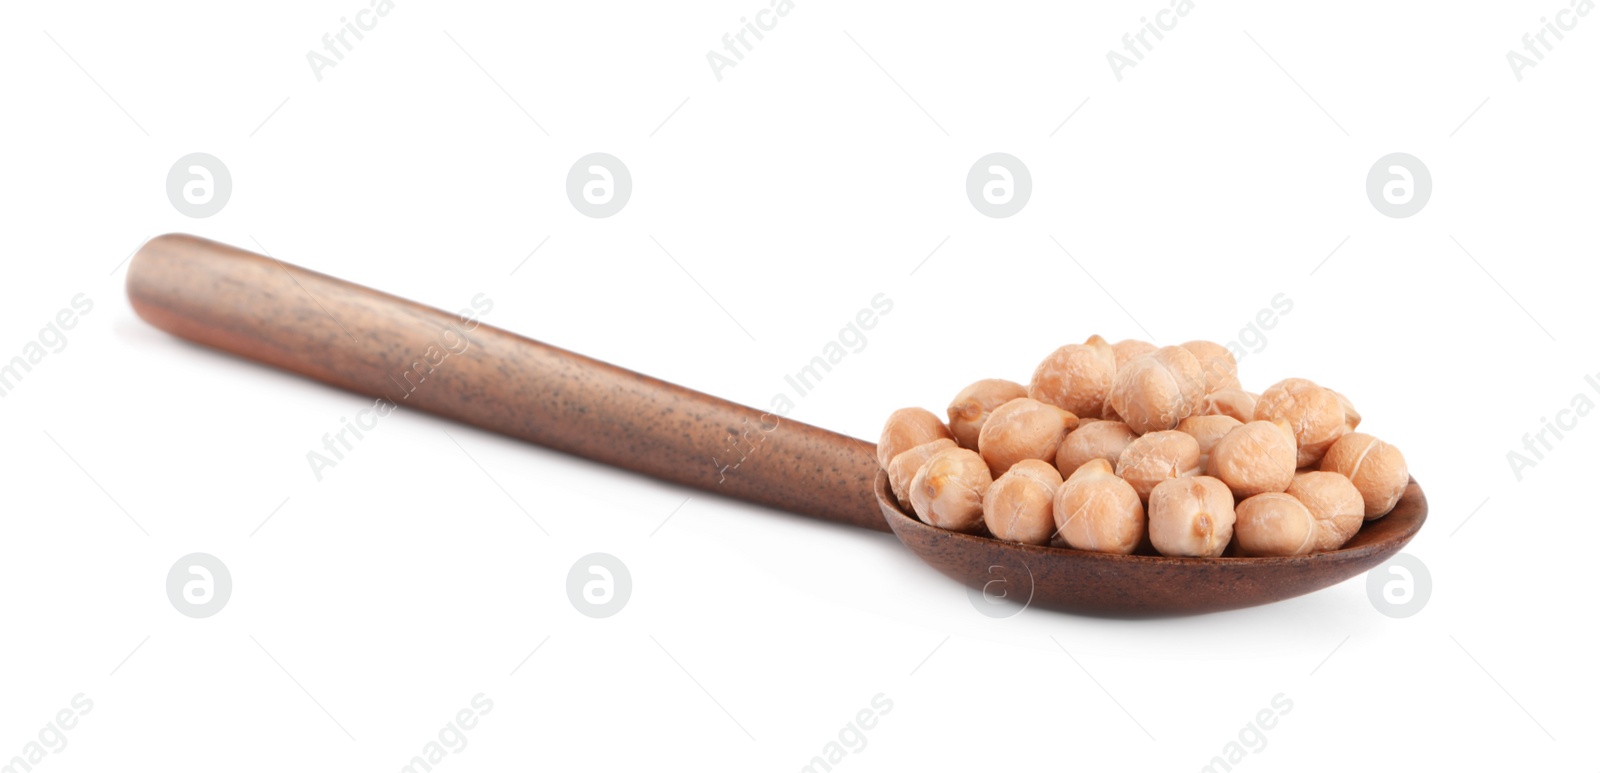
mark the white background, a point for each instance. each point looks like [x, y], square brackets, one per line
[374, 604]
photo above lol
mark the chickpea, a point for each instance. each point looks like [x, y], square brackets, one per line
[948, 490]
[1237, 403]
[1335, 504]
[1274, 524]
[1130, 349]
[1220, 369]
[1096, 510]
[1093, 440]
[1254, 458]
[974, 404]
[1312, 411]
[1376, 468]
[1191, 517]
[1104, 350]
[1157, 391]
[1156, 457]
[1023, 428]
[904, 467]
[1018, 505]
[908, 428]
[1207, 430]
[1074, 378]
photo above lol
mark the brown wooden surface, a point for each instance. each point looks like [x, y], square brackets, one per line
[376, 344]
[1146, 585]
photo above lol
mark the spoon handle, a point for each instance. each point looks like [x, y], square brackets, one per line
[415, 357]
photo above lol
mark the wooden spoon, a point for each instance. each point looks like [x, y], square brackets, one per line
[422, 358]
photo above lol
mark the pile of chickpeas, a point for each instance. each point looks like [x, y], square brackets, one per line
[1133, 448]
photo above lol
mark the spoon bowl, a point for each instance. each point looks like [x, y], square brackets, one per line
[1111, 585]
